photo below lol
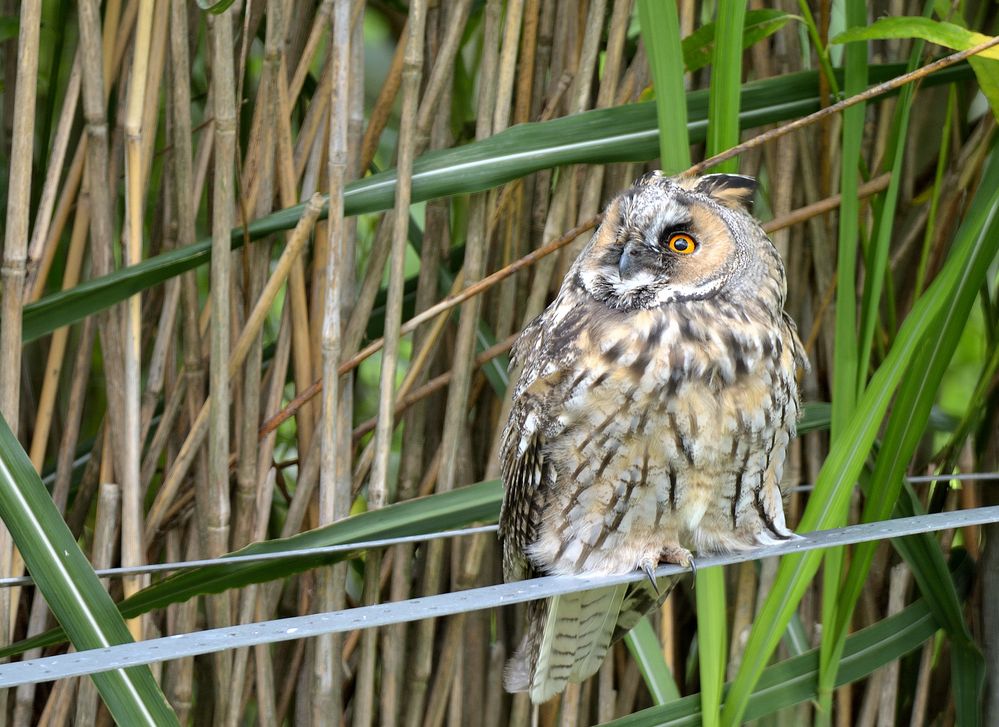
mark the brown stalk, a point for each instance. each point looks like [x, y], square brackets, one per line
[382, 109]
[132, 551]
[334, 502]
[300, 315]
[213, 502]
[14, 265]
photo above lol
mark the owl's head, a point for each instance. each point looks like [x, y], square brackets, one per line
[671, 239]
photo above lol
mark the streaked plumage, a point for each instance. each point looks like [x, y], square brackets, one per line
[652, 414]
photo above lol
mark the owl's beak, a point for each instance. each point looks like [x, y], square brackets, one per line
[631, 259]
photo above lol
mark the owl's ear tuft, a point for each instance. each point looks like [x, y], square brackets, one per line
[649, 178]
[732, 190]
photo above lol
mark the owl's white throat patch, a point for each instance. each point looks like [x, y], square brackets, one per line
[626, 286]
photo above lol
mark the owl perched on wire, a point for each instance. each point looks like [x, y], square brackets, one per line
[652, 416]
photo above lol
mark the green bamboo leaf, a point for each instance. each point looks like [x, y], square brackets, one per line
[661, 33]
[906, 427]
[647, 653]
[723, 133]
[986, 63]
[966, 265]
[847, 377]
[699, 45]
[72, 591]
[518, 151]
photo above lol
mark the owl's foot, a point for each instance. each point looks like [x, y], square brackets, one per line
[677, 555]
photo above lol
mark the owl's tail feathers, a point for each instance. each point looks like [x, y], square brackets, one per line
[567, 639]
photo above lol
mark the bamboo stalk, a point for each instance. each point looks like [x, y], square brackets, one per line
[412, 72]
[43, 217]
[213, 502]
[303, 348]
[334, 501]
[57, 348]
[131, 521]
[16, 232]
[13, 270]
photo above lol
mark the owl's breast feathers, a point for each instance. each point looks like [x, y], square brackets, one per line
[631, 429]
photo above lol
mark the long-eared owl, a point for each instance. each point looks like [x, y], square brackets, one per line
[652, 414]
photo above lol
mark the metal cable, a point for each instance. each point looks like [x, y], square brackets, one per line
[924, 479]
[204, 642]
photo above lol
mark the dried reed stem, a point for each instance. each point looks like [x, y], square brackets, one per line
[132, 552]
[334, 494]
[213, 502]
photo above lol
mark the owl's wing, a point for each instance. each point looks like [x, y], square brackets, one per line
[546, 353]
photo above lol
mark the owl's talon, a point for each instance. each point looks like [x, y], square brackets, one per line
[650, 571]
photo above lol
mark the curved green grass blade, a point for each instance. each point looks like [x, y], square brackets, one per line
[70, 586]
[848, 375]
[906, 427]
[661, 33]
[723, 133]
[647, 653]
[518, 151]
[949, 35]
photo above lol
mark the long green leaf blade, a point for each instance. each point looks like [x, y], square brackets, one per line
[70, 587]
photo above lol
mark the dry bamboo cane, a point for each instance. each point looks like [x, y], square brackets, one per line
[16, 233]
[14, 263]
[334, 503]
[455, 409]
[262, 194]
[412, 72]
[180, 673]
[213, 502]
[300, 315]
[441, 21]
[60, 142]
[132, 552]
[57, 348]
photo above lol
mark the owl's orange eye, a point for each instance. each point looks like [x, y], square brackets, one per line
[681, 243]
